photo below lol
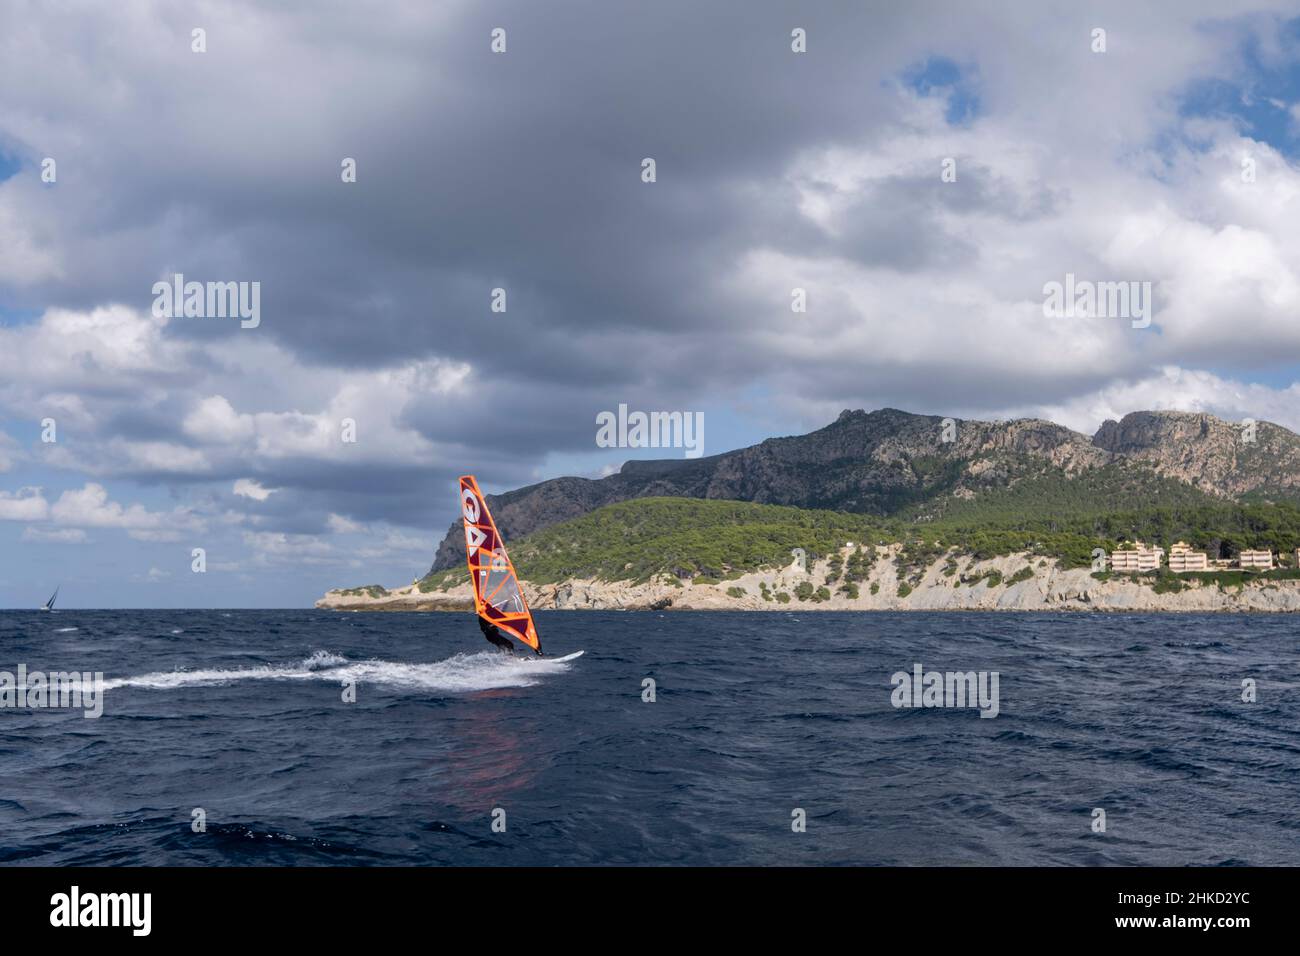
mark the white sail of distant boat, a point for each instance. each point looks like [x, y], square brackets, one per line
[49, 605]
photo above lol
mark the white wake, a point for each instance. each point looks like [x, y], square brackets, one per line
[487, 670]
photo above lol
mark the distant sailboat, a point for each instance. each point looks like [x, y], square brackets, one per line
[49, 605]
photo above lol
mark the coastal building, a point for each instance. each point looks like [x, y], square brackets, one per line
[1141, 558]
[1182, 559]
[1258, 560]
[1297, 557]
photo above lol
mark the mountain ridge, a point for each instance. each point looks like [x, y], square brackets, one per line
[890, 462]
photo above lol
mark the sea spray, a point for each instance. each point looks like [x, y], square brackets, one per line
[461, 673]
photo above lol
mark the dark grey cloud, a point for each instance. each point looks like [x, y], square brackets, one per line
[523, 171]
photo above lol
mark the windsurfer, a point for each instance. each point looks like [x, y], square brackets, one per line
[498, 599]
[493, 634]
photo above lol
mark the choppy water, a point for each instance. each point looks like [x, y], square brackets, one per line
[241, 713]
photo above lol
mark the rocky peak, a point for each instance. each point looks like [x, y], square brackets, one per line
[1221, 457]
[1143, 432]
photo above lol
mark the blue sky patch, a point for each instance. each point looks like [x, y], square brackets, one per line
[940, 76]
[9, 166]
[1261, 102]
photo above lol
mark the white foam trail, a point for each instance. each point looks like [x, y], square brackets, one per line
[487, 670]
[66, 630]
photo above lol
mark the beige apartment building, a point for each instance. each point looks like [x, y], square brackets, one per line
[1140, 559]
[1259, 560]
[1182, 559]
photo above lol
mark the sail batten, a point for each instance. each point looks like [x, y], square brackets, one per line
[498, 598]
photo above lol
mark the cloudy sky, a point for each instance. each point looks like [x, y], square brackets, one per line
[522, 170]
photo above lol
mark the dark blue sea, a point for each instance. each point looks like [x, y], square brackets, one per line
[756, 716]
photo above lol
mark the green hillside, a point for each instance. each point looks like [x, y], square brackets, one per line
[711, 539]
[684, 537]
[1055, 493]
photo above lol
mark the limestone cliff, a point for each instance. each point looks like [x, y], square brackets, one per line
[955, 582]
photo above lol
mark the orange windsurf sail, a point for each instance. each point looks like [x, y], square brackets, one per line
[497, 596]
